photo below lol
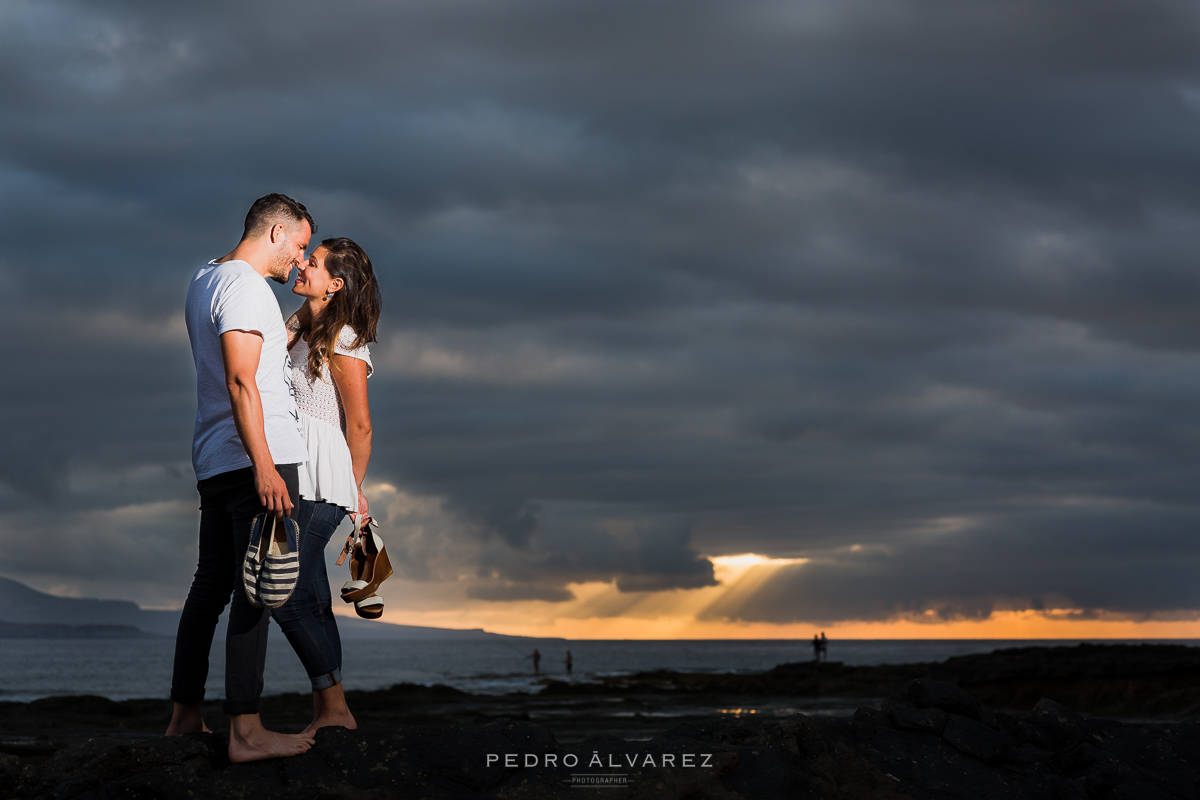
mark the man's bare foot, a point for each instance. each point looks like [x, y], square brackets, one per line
[186, 719]
[250, 741]
[330, 710]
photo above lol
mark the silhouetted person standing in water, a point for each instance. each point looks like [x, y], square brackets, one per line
[569, 662]
[824, 646]
[816, 649]
[537, 659]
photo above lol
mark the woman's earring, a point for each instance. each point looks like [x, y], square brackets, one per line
[328, 296]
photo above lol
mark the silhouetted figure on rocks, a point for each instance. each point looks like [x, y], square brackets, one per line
[824, 647]
[537, 660]
[816, 648]
[570, 663]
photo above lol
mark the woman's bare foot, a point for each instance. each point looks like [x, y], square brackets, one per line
[250, 741]
[186, 719]
[330, 710]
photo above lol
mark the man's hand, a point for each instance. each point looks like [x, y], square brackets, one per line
[363, 507]
[272, 491]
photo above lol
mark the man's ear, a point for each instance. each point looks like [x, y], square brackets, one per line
[278, 232]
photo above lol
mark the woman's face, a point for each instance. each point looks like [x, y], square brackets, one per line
[312, 279]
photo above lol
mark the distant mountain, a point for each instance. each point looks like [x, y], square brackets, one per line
[19, 603]
[42, 630]
[30, 609]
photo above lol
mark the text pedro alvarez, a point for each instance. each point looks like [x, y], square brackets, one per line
[615, 760]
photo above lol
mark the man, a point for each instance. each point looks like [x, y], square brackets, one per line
[245, 448]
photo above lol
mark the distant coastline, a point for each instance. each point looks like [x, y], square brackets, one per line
[29, 630]
[26, 613]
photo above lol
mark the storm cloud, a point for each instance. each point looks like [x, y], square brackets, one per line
[905, 289]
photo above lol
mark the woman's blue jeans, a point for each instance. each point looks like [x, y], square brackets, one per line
[307, 617]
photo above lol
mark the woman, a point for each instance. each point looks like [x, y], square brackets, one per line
[328, 337]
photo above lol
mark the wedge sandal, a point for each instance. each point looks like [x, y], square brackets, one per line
[369, 567]
[370, 607]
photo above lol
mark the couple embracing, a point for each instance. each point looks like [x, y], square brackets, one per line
[282, 426]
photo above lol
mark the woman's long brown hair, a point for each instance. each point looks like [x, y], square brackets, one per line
[356, 304]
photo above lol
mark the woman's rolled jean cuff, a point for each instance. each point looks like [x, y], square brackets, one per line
[327, 681]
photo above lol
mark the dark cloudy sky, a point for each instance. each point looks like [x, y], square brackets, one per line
[906, 289]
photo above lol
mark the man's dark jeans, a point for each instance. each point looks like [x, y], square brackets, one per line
[228, 505]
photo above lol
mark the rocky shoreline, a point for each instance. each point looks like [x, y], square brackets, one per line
[961, 728]
[1145, 680]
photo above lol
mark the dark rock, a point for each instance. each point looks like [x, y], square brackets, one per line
[1002, 721]
[1108, 679]
[1061, 726]
[869, 716]
[115, 765]
[10, 769]
[973, 738]
[897, 700]
[1135, 681]
[1078, 662]
[435, 742]
[1053, 753]
[1035, 736]
[927, 720]
[946, 696]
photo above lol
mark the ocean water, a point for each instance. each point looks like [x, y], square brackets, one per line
[123, 669]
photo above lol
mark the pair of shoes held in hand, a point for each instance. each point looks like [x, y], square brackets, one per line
[369, 567]
[272, 563]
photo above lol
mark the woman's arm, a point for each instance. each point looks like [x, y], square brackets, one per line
[350, 377]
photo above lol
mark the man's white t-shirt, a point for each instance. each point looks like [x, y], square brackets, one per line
[233, 297]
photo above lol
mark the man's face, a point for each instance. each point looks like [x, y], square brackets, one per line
[289, 252]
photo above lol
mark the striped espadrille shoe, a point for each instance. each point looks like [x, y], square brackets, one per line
[252, 563]
[272, 563]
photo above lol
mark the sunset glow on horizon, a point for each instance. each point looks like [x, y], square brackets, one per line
[600, 611]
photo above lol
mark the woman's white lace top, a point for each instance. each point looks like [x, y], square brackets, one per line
[329, 473]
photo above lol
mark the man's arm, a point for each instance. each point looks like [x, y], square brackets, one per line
[239, 353]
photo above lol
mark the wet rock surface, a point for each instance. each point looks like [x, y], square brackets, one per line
[916, 734]
[1133, 682]
[1118, 680]
[1049, 752]
[1115, 679]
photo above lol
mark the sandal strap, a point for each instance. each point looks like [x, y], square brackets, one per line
[345, 550]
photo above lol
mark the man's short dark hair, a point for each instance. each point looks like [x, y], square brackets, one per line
[271, 209]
